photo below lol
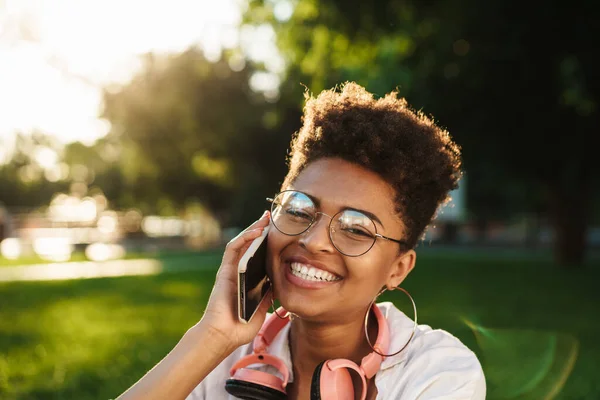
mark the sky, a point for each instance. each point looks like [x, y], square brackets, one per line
[56, 55]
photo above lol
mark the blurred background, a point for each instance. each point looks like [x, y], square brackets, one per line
[137, 137]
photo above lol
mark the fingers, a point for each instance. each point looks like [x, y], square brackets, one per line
[262, 222]
[237, 242]
[243, 240]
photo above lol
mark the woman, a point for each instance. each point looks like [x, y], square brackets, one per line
[365, 179]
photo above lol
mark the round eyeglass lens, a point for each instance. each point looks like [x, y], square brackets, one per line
[352, 232]
[292, 212]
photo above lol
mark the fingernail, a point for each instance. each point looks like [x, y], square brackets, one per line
[265, 213]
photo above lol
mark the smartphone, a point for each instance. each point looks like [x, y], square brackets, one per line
[253, 283]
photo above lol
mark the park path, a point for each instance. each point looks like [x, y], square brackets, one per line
[114, 268]
[80, 270]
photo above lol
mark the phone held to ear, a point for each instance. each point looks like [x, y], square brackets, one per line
[253, 283]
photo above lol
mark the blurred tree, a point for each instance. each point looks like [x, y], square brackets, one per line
[97, 168]
[24, 179]
[187, 129]
[519, 90]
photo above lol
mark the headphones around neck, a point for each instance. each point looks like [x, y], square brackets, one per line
[331, 379]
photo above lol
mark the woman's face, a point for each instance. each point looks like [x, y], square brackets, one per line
[337, 185]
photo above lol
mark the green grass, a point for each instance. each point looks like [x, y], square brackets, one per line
[79, 256]
[91, 339]
[34, 259]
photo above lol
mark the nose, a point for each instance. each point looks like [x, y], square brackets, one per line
[316, 239]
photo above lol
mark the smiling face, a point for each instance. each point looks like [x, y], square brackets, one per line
[338, 286]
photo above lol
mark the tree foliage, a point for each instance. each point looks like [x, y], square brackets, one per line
[189, 129]
[23, 183]
[518, 90]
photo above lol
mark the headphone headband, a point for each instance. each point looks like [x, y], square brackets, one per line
[269, 331]
[371, 362]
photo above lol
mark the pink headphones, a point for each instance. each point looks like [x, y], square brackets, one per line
[331, 380]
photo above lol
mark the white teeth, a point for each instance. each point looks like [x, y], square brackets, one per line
[310, 273]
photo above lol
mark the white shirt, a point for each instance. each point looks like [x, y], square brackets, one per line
[435, 365]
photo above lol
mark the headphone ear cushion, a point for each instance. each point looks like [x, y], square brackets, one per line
[252, 391]
[315, 385]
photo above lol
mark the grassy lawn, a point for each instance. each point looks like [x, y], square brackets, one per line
[91, 339]
[34, 259]
[79, 256]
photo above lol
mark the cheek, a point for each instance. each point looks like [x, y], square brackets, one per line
[276, 242]
[371, 267]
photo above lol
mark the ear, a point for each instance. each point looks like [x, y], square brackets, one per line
[401, 267]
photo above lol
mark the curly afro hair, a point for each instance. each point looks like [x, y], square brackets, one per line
[406, 148]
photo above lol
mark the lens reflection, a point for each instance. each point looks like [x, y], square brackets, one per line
[524, 364]
[293, 212]
[352, 232]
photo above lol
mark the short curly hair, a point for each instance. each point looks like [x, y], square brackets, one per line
[406, 148]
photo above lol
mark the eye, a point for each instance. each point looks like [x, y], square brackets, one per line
[298, 214]
[358, 232]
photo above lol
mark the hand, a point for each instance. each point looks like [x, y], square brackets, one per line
[220, 316]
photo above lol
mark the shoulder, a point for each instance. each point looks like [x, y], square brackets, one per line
[214, 383]
[434, 365]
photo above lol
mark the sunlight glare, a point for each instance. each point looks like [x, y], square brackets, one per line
[45, 157]
[10, 248]
[55, 56]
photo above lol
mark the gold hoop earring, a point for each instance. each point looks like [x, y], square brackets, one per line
[287, 313]
[367, 322]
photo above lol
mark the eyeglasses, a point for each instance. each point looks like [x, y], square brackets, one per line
[351, 232]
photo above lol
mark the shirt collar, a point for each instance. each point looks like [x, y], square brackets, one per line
[401, 329]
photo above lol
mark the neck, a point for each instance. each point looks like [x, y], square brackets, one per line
[312, 342]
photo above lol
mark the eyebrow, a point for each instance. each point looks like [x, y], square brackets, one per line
[367, 213]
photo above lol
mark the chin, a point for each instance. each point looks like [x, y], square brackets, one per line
[300, 307]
